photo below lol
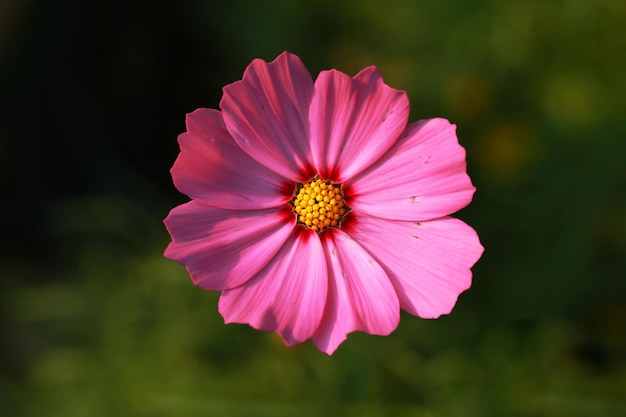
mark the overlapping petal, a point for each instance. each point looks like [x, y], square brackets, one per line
[354, 121]
[427, 262]
[360, 295]
[225, 248]
[288, 295]
[211, 168]
[267, 114]
[421, 178]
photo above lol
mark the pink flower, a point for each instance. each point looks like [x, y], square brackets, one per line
[317, 210]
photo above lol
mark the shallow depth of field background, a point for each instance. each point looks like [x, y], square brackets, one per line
[95, 322]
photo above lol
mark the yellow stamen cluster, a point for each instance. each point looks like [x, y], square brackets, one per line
[319, 204]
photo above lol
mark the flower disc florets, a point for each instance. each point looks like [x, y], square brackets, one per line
[319, 204]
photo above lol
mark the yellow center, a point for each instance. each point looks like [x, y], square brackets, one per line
[319, 204]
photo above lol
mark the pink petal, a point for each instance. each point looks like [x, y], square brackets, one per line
[225, 248]
[267, 114]
[360, 295]
[212, 169]
[354, 121]
[422, 177]
[288, 295]
[428, 262]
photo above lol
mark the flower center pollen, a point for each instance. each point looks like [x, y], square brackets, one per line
[319, 204]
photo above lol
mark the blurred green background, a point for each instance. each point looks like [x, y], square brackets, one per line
[95, 322]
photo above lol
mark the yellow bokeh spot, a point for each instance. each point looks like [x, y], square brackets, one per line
[319, 204]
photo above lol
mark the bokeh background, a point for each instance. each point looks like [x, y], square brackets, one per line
[95, 322]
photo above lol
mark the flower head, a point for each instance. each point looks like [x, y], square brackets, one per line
[317, 210]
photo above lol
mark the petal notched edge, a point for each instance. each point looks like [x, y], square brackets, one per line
[360, 295]
[221, 248]
[267, 114]
[212, 169]
[427, 262]
[288, 295]
[422, 177]
[354, 121]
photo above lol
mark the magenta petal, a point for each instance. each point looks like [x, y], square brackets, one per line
[428, 262]
[212, 169]
[288, 295]
[360, 295]
[225, 248]
[354, 121]
[422, 177]
[267, 114]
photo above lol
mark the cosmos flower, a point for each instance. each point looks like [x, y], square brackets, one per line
[317, 210]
